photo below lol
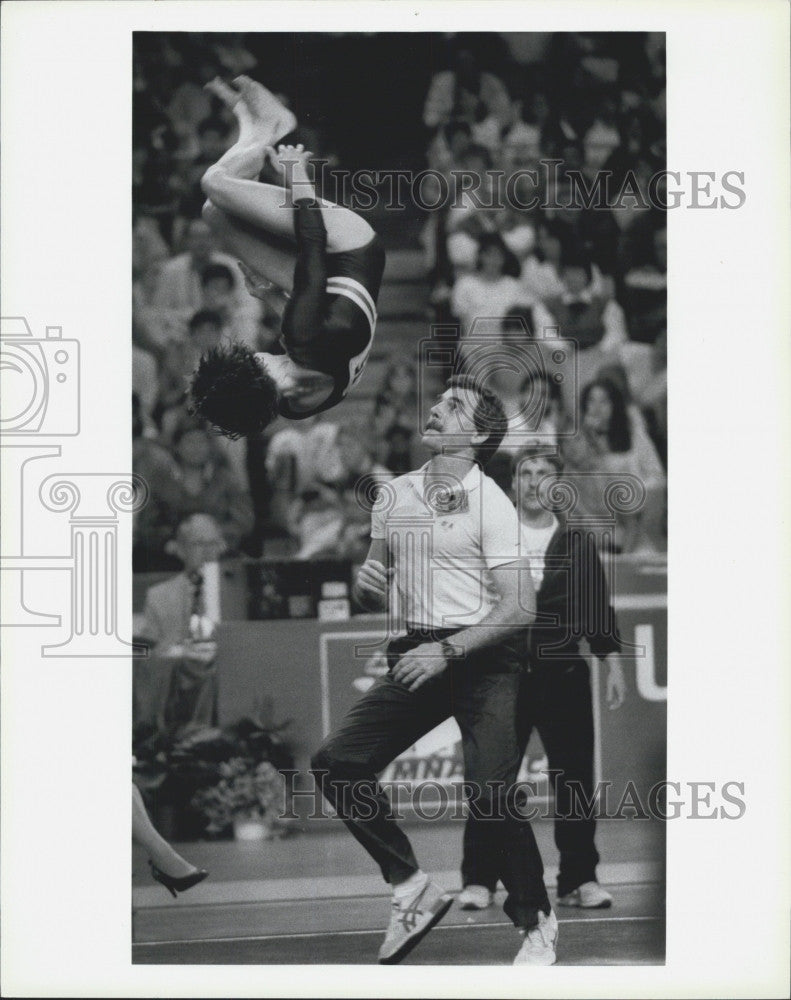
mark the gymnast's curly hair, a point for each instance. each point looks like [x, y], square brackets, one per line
[232, 391]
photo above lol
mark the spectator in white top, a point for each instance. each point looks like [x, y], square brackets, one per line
[613, 442]
[506, 135]
[464, 92]
[179, 283]
[468, 217]
[492, 289]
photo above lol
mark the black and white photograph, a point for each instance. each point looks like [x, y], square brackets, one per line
[357, 326]
[391, 439]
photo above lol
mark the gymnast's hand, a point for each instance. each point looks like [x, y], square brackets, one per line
[420, 665]
[291, 162]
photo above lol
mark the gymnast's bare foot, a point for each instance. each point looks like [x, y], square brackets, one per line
[273, 118]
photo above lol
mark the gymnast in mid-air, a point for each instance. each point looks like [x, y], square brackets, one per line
[325, 258]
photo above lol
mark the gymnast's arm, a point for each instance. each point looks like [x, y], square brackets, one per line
[304, 317]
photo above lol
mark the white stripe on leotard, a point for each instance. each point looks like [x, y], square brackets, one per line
[358, 293]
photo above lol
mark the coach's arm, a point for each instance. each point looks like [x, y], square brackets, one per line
[515, 610]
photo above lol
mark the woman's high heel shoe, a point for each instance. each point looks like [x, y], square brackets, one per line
[176, 885]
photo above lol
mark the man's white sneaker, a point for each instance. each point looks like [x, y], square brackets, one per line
[411, 919]
[540, 942]
[590, 896]
[475, 897]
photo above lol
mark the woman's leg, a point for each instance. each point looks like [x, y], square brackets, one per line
[158, 849]
[268, 207]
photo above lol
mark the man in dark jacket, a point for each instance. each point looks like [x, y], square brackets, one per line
[573, 602]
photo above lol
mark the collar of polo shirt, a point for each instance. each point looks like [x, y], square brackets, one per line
[470, 482]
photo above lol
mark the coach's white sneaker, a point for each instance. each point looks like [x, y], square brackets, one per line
[590, 896]
[475, 897]
[540, 942]
[411, 919]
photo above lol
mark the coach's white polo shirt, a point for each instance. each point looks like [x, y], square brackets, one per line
[443, 537]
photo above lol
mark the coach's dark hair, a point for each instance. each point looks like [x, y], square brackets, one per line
[232, 391]
[489, 415]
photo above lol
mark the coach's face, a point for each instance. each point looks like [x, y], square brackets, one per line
[450, 427]
[528, 475]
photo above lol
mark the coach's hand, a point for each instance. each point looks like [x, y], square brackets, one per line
[420, 665]
[373, 579]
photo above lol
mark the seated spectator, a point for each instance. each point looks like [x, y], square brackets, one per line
[585, 309]
[611, 442]
[645, 293]
[536, 415]
[650, 393]
[154, 524]
[179, 285]
[468, 218]
[396, 402]
[511, 141]
[398, 450]
[541, 270]
[145, 386]
[448, 147]
[300, 458]
[601, 138]
[179, 359]
[343, 529]
[191, 103]
[518, 232]
[152, 325]
[209, 486]
[464, 91]
[175, 688]
[213, 136]
[240, 321]
[492, 289]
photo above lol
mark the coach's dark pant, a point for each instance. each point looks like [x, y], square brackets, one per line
[556, 699]
[389, 719]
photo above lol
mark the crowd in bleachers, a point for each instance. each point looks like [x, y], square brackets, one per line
[592, 102]
[588, 107]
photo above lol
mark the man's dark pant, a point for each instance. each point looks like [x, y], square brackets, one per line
[389, 719]
[556, 699]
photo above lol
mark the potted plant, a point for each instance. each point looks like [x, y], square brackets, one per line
[214, 782]
[249, 797]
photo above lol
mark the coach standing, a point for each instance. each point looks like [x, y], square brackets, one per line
[573, 600]
[447, 537]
